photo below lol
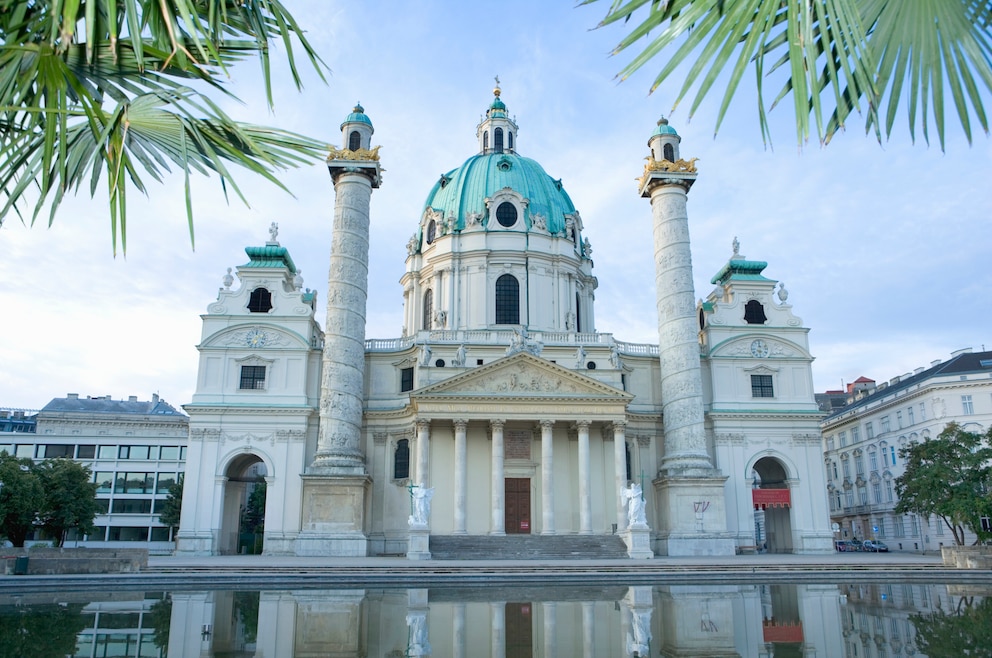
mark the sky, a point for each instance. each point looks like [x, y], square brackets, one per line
[884, 248]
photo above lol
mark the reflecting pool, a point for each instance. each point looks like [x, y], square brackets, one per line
[860, 620]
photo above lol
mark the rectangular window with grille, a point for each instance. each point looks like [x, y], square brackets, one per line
[761, 386]
[252, 378]
[855, 435]
[967, 406]
[406, 380]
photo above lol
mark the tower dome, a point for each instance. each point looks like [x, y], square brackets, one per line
[498, 207]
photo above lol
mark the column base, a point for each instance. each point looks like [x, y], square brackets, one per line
[195, 544]
[419, 544]
[693, 514]
[333, 516]
[638, 540]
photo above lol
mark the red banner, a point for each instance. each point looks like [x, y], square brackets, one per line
[786, 633]
[764, 498]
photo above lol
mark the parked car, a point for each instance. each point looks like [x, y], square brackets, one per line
[845, 546]
[875, 546]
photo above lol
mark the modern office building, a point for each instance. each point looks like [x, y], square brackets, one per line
[862, 442]
[135, 449]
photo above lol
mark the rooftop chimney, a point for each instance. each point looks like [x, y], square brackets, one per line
[72, 396]
[154, 397]
[132, 398]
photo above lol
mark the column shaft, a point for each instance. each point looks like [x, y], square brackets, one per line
[585, 497]
[547, 478]
[497, 485]
[423, 451]
[343, 372]
[681, 379]
[461, 476]
[620, 470]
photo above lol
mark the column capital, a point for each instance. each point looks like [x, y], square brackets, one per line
[379, 438]
[423, 424]
[460, 423]
[619, 425]
[582, 424]
[497, 423]
[546, 424]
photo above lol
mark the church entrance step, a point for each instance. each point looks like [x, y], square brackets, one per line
[527, 547]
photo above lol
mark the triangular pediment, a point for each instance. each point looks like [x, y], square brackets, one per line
[521, 375]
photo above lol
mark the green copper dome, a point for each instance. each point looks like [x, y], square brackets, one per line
[462, 192]
[357, 116]
[663, 128]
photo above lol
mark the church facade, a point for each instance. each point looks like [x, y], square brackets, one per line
[501, 408]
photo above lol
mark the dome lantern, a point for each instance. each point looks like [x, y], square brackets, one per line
[497, 133]
[356, 130]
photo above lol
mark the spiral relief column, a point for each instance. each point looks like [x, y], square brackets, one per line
[336, 482]
[687, 480]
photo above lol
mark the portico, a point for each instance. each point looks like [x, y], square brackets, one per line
[481, 430]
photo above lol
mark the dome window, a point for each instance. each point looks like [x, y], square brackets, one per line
[669, 152]
[485, 142]
[260, 301]
[431, 232]
[507, 300]
[354, 141]
[509, 140]
[498, 140]
[428, 309]
[506, 214]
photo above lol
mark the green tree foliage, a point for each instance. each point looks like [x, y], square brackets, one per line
[173, 506]
[253, 518]
[159, 618]
[965, 632]
[950, 476]
[70, 498]
[42, 631]
[833, 57]
[21, 497]
[114, 89]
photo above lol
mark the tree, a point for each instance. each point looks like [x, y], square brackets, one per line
[950, 476]
[829, 55]
[21, 497]
[965, 632]
[94, 87]
[69, 499]
[48, 630]
[173, 506]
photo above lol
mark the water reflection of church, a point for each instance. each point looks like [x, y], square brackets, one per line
[707, 620]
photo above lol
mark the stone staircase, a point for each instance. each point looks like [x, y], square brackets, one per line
[527, 547]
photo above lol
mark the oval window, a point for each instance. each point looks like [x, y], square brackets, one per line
[506, 214]
[431, 232]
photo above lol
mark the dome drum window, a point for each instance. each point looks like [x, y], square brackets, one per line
[506, 214]
[507, 300]
[431, 231]
[354, 141]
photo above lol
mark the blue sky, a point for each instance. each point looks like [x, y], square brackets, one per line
[884, 249]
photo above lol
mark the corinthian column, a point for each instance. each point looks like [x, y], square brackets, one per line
[343, 373]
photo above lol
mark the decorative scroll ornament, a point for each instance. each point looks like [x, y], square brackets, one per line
[359, 154]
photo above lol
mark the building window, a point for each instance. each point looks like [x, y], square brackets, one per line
[899, 420]
[923, 411]
[967, 407]
[509, 140]
[428, 310]
[873, 459]
[849, 498]
[260, 301]
[133, 452]
[669, 152]
[56, 450]
[252, 378]
[884, 423]
[498, 140]
[578, 314]
[842, 437]
[354, 141]
[830, 477]
[834, 464]
[869, 431]
[507, 300]
[855, 435]
[506, 214]
[830, 443]
[401, 460]
[431, 231]
[847, 467]
[888, 491]
[909, 412]
[761, 386]
[863, 495]
[132, 506]
[485, 142]
[406, 380]
[754, 312]
[892, 454]
[876, 491]
[859, 465]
